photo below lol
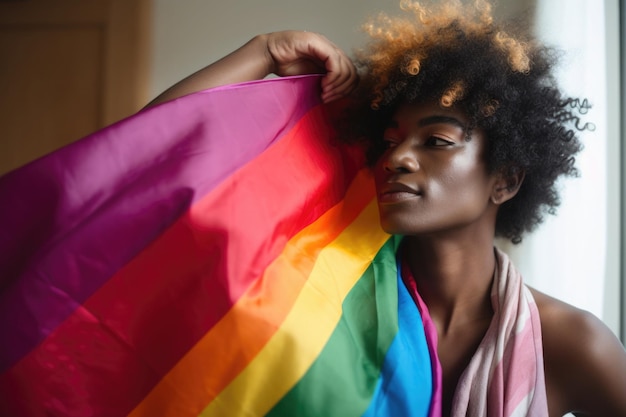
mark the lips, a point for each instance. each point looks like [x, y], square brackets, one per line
[397, 192]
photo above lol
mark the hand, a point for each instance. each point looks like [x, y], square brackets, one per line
[281, 53]
[297, 52]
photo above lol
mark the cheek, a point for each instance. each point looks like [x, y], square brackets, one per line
[468, 183]
[378, 173]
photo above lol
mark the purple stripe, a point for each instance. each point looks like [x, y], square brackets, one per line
[70, 220]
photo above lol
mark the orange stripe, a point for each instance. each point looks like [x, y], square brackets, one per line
[213, 363]
[147, 316]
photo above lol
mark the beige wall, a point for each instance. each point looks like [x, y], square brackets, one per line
[190, 34]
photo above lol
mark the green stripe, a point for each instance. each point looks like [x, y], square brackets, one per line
[342, 379]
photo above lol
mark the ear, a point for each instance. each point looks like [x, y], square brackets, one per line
[508, 182]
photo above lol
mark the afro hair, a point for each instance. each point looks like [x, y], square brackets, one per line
[456, 54]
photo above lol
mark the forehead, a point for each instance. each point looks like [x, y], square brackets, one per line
[415, 113]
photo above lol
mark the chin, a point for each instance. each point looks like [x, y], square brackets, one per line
[393, 228]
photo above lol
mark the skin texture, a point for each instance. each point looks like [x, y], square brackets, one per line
[585, 363]
[431, 178]
[434, 188]
[448, 221]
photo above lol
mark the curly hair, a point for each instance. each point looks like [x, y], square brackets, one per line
[456, 54]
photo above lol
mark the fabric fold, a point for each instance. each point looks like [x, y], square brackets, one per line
[218, 252]
[505, 377]
[179, 264]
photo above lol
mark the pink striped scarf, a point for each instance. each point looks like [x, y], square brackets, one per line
[505, 377]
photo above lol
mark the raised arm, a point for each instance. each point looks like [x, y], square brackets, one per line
[282, 53]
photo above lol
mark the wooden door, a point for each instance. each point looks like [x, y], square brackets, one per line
[68, 68]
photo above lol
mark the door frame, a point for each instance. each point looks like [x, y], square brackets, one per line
[126, 73]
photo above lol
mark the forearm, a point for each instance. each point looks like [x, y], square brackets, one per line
[250, 62]
[284, 53]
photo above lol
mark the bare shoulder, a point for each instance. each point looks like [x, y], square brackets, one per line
[585, 363]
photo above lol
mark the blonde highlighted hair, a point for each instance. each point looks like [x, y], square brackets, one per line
[404, 42]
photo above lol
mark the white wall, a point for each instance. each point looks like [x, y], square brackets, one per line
[575, 255]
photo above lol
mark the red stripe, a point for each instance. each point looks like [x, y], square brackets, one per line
[125, 185]
[158, 306]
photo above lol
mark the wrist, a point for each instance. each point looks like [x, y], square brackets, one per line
[260, 43]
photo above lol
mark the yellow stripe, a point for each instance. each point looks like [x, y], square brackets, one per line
[308, 326]
[212, 363]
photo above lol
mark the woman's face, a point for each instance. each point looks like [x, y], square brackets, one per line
[432, 178]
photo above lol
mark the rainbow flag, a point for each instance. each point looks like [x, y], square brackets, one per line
[216, 255]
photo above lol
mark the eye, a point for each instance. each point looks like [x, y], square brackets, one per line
[390, 142]
[437, 141]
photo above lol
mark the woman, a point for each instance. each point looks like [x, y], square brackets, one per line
[467, 134]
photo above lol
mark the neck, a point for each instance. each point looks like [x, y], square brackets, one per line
[454, 277]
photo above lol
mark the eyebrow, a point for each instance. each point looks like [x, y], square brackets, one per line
[431, 120]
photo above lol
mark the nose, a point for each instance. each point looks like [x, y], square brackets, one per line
[401, 158]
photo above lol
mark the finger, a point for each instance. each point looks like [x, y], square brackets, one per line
[337, 65]
[340, 81]
[338, 92]
[348, 78]
[340, 78]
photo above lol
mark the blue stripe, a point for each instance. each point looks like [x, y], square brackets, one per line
[405, 385]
